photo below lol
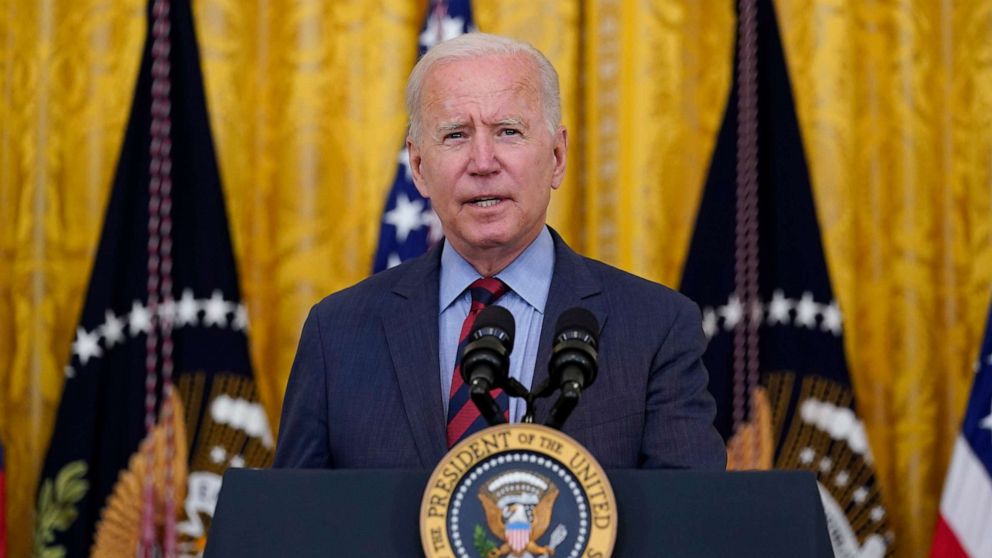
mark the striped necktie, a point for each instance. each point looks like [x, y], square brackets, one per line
[463, 415]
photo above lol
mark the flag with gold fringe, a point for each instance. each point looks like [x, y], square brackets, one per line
[159, 397]
[757, 269]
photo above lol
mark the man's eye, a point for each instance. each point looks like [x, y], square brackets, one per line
[510, 132]
[454, 135]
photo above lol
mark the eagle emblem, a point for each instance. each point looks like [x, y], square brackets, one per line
[518, 508]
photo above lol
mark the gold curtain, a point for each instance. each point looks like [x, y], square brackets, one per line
[895, 102]
[305, 100]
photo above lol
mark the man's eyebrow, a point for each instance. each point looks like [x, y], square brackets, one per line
[450, 126]
[510, 121]
[455, 125]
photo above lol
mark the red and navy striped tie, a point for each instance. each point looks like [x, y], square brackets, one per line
[463, 416]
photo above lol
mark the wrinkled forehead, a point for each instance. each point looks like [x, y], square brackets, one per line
[481, 78]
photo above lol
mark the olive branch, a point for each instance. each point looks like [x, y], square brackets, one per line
[481, 541]
[57, 508]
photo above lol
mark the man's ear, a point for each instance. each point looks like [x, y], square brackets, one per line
[560, 153]
[413, 153]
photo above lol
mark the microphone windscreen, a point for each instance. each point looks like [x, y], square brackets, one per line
[495, 318]
[575, 320]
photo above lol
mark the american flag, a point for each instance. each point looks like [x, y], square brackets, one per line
[409, 226]
[963, 526]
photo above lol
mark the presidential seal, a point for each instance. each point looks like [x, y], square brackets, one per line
[520, 491]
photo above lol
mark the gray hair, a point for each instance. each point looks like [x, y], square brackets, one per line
[477, 45]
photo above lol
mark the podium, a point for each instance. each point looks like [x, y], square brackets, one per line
[373, 513]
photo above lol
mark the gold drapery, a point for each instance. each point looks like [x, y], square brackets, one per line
[305, 101]
[894, 102]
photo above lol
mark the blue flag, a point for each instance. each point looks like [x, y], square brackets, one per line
[91, 493]
[409, 226]
[798, 410]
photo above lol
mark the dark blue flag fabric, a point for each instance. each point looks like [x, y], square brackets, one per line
[92, 489]
[409, 226]
[802, 414]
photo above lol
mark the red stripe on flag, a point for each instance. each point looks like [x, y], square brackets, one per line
[945, 542]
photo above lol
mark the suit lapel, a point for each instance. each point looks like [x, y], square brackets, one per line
[412, 334]
[572, 284]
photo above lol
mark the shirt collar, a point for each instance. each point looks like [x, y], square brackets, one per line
[529, 275]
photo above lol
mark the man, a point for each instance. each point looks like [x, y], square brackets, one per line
[373, 384]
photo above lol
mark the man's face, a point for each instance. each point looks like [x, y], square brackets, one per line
[485, 157]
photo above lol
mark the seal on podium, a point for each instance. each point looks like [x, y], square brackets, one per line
[519, 491]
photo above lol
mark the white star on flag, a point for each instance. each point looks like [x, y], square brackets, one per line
[215, 310]
[778, 310]
[832, 318]
[987, 422]
[806, 311]
[140, 319]
[451, 27]
[731, 313]
[405, 216]
[187, 311]
[86, 345]
[112, 329]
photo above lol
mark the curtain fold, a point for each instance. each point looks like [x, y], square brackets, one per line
[305, 101]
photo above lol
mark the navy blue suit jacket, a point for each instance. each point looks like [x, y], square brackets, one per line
[365, 390]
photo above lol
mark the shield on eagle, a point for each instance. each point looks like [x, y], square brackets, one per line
[518, 508]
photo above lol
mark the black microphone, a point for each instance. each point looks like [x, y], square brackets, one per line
[486, 359]
[574, 361]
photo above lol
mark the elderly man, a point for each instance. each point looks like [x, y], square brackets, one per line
[374, 383]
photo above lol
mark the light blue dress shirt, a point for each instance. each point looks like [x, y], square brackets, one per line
[529, 279]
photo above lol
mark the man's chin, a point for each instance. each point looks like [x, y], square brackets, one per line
[483, 242]
[490, 243]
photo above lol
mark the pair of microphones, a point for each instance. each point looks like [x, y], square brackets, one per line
[572, 368]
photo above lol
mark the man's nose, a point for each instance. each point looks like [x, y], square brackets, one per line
[483, 154]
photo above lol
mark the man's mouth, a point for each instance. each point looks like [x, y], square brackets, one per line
[485, 201]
